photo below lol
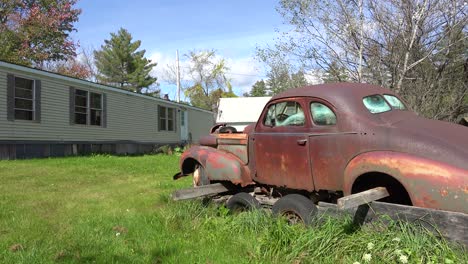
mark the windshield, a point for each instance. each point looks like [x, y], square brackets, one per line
[376, 104]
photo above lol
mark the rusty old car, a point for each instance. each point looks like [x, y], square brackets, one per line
[323, 142]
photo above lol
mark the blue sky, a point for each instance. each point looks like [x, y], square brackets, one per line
[232, 27]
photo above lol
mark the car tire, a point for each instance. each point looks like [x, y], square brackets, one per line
[242, 202]
[227, 129]
[296, 208]
[199, 177]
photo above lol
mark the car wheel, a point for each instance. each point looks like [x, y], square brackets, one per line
[199, 177]
[296, 209]
[242, 202]
[227, 129]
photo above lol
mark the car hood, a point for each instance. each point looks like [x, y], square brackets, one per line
[437, 140]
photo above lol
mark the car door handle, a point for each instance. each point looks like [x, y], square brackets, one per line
[302, 142]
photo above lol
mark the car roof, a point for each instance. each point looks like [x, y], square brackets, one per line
[334, 91]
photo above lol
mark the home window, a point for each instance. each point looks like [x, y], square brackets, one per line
[95, 109]
[182, 118]
[166, 118]
[88, 108]
[24, 99]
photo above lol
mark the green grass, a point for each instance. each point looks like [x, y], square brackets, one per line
[105, 209]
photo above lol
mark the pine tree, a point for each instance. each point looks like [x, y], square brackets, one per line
[259, 89]
[280, 79]
[120, 64]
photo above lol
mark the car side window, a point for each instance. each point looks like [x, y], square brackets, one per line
[376, 104]
[284, 114]
[322, 114]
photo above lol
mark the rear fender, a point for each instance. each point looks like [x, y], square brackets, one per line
[429, 183]
[219, 165]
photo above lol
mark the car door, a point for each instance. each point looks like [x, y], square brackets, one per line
[281, 145]
[329, 147]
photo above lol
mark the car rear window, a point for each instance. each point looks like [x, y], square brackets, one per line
[376, 104]
[394, 102]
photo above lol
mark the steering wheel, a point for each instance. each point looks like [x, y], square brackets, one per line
[281, 117]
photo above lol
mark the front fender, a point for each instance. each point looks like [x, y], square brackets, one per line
[219, 165]
[429, 183]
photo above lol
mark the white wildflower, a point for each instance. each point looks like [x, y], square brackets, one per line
[367, 257]
[370, 246]
[117, 234]
[396, 239]
[398, 252]
[403, 259]
[355, 262]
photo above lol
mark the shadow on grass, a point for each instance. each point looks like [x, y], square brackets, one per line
[158, 255]
[68, 257]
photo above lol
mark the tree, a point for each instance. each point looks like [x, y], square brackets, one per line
[203, 78]
[72, 67]
[33, 32]
[258, 89]
[416, 47]
[282, 80]
[335, 73]
[277, 82]
[282, 74]
[119, 63]
[86, 58]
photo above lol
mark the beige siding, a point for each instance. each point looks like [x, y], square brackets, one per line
[129, 117]
[199, 124]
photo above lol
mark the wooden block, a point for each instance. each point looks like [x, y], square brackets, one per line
[200, 191]
[451, 225]
[364, 197]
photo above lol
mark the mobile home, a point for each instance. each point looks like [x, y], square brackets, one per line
[45, 114]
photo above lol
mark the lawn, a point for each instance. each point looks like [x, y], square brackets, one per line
[106, 209]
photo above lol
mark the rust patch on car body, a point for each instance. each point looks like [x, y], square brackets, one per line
[430, 183]
[219, 165]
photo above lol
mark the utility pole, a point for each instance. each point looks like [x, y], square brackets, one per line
[178, 76]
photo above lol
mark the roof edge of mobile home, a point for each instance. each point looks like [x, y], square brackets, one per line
[90, 83]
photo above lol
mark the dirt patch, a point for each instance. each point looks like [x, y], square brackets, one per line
[16, 247]
[60, 255]
[120, 229]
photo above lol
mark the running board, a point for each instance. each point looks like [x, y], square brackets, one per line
[199, 191]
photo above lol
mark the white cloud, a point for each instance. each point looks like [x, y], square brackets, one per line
[163, 60]
[243, 73]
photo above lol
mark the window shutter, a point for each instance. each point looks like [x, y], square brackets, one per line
[10, 97]
[37, 100]
[72, 106]
[104, 110]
